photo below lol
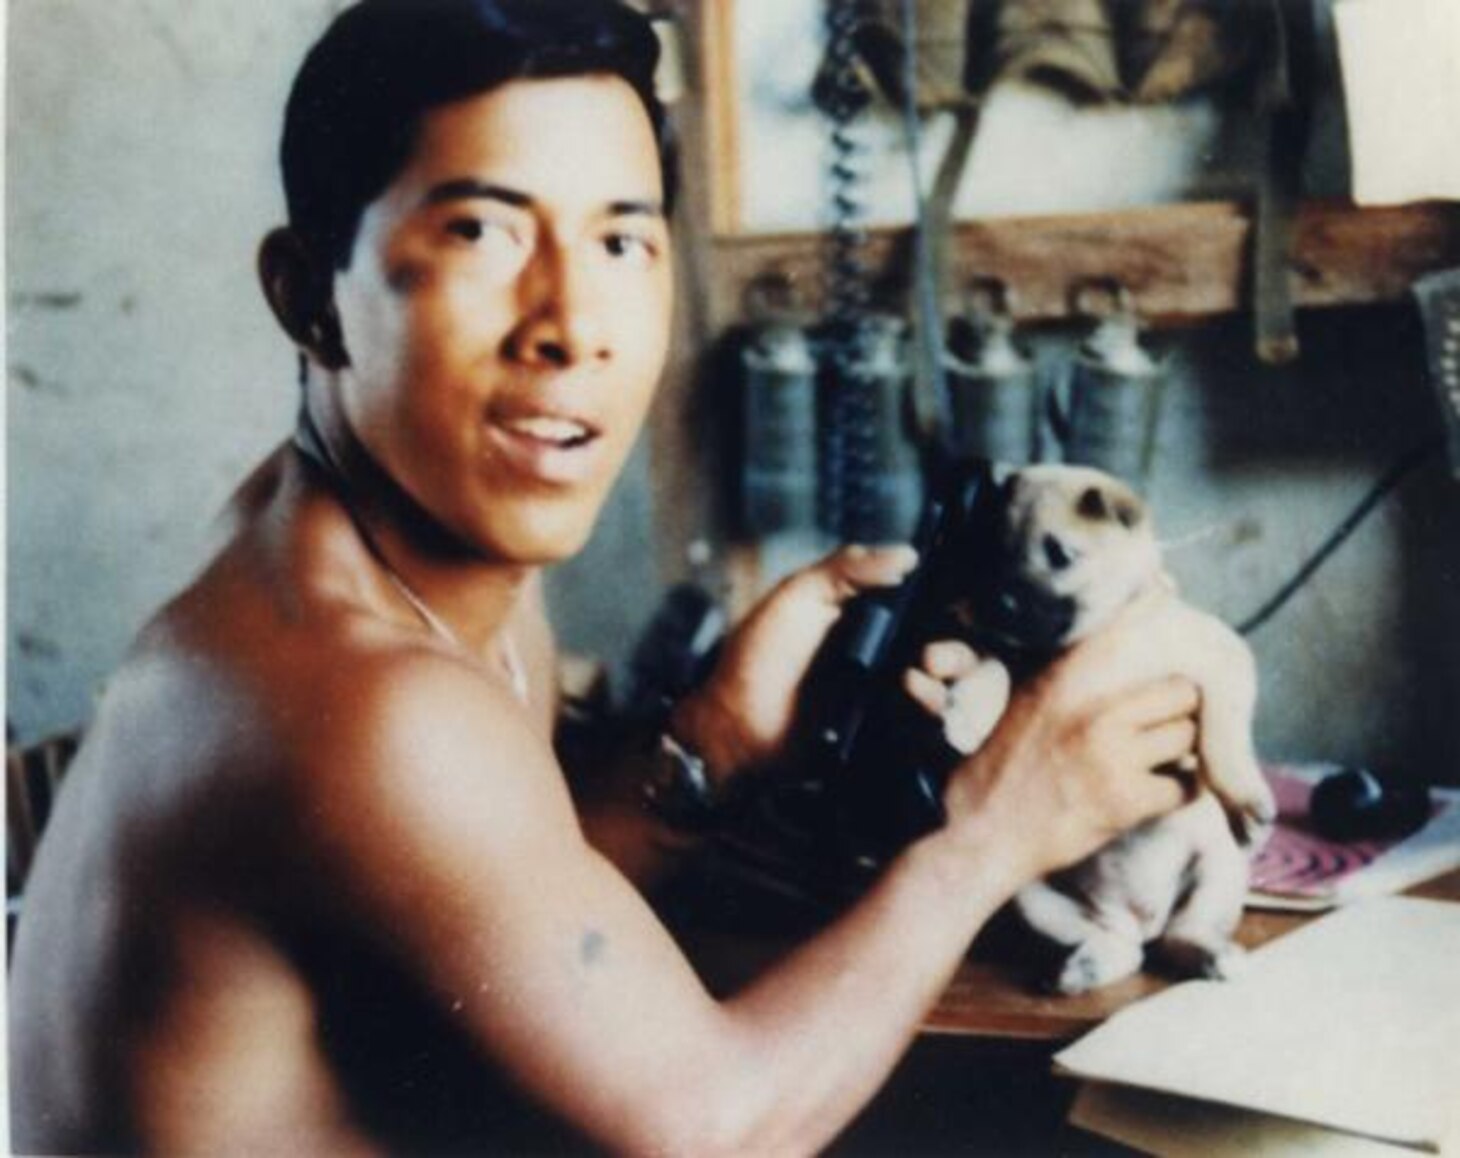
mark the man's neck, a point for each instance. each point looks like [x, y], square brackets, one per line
[461, 594]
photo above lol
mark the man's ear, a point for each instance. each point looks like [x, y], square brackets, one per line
[300, 290]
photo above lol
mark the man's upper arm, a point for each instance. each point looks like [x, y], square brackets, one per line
[443, 825]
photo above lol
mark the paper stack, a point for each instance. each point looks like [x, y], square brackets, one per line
[1342, 1038]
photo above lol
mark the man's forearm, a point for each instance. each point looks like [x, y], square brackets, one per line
[821, 1031]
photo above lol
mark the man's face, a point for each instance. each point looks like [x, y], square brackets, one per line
[506, 311]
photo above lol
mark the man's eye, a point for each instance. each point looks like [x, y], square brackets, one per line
[465, 227]
[631, 246]
[477, 228]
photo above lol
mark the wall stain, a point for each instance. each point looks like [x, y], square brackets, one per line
[34, 646]
[31, 380]
[53, 300]
[1247, 530]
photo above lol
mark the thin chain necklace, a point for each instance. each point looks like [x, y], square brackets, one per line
[311, 442]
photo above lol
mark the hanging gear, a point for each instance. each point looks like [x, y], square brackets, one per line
[1099, 51]
[1114, 392]
[993, 384]
[779, 413]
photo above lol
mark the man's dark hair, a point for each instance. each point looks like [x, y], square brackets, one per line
[357, 102]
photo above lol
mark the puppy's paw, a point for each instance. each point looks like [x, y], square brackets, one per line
[1229, 963]
[1102, 960]
[1252, 823]
[1221, 962]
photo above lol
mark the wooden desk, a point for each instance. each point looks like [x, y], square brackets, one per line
[986, 998]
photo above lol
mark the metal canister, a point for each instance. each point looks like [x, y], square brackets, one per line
[993, 386]
[872, 470]
[1114, 396]
[780, 386]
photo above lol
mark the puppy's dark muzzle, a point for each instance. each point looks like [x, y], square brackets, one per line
[1011, 615]
[1019, 619]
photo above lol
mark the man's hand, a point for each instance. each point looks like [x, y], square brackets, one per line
[741, 718]
[1089, 764]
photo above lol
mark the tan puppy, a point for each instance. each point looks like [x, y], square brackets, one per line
[1078, 547]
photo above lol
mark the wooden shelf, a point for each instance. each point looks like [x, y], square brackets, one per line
[1179, 262]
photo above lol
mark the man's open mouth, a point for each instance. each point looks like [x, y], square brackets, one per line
[561, 433]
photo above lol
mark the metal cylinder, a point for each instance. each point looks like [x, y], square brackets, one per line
[993, 394]
[779, 478]
[1114, 398]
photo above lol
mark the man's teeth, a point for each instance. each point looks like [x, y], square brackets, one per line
[559, 430]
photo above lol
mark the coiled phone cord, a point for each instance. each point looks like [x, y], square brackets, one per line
[849, 431]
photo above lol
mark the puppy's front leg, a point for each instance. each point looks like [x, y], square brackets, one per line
[1228, 679]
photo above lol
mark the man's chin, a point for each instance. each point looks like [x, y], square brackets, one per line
[537, 540]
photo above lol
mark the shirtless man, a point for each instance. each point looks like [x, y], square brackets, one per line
[316, 882]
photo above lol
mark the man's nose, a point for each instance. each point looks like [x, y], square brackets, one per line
[564, 320]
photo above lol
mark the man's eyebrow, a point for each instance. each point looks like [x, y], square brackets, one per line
[468, 188]
[636, 209]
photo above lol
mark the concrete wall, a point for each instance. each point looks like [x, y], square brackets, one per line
[145, 376]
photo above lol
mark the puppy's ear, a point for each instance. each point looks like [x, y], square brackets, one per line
[1129, 511]
[300, 290]
[1101, 505]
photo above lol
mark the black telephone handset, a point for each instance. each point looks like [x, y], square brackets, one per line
[881, 758]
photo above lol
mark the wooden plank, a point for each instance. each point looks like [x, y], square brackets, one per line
[1179, 262]
[683, 468]
[722, 95]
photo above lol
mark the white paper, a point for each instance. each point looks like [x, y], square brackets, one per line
[1351, 1022]
[1435, 849]
[1176, 1127]
[1401, 80]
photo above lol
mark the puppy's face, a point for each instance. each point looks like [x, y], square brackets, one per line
[1077, 544]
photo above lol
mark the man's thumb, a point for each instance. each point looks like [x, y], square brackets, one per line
[852, 569]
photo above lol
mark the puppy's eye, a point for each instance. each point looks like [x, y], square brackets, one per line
[1092, 504]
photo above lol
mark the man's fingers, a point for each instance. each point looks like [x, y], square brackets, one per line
[949, 659]
[927, 692]
[1163, 792]
[852, 569]
[1158, 702]
[1167, 743]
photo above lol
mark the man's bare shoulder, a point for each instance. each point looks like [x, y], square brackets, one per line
[319, 697]
[412, 756]
[417, 719]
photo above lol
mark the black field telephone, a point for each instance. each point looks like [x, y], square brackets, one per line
[881, 758]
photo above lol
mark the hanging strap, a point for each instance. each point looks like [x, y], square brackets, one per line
[1281, 109]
